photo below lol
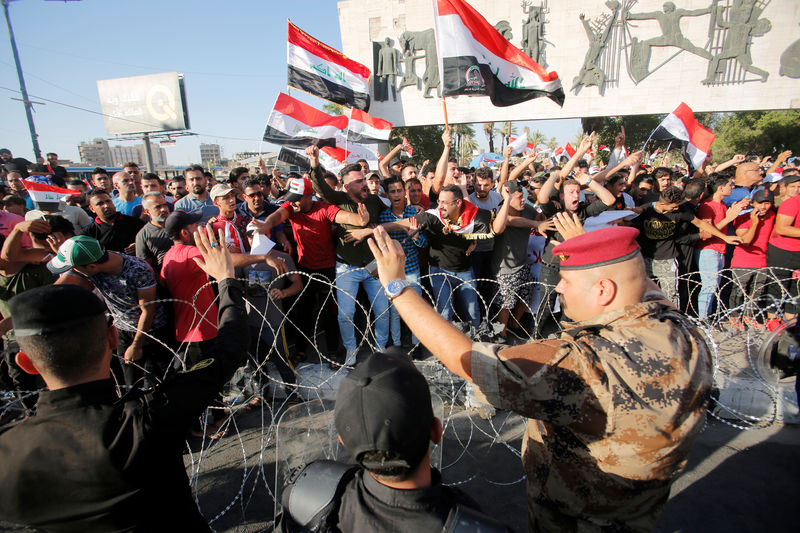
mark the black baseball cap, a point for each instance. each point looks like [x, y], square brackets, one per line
[179, 219]
[53, 308]
[791, 178]
[513, 186]
[384, 404]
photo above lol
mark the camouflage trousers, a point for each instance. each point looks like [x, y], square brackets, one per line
[544, 518]
[665, 273]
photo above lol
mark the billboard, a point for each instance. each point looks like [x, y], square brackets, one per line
[614, 57]
[144, 104]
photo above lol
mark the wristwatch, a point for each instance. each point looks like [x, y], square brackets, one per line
[395, 287]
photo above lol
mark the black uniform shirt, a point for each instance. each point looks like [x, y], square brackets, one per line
[117, 236]
[88, 461]
[368, 506]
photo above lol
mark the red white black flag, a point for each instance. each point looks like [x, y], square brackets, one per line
[680, 125]
[320, 70]
[45, 196]
[365, 128]
[475, 59]
[295, 124]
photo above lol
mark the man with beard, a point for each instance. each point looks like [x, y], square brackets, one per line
[177, 188]
[115, 231]
[198, 198]
[20, 164]
[316, 256]
[152, 241]
[352, 257]
[485, 197]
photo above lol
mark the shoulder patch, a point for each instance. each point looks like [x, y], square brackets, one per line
[199, 366]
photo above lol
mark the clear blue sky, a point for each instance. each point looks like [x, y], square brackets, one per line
[232, 54]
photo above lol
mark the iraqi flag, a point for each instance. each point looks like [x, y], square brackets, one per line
[318, 69]
[46, 197]
[297, 125]
[331, 159]
[475, 59]
[519, 145]
[680, 125]
[365, 128]
[466, 222]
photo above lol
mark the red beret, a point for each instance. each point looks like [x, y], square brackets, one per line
[597, 248]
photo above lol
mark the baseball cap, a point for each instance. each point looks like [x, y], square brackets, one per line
[384, 404]
[218, 190]
[772, 177]
[179, 219]
[298, 187]
[791, 178]
[513, 186]
[53, 308]
[75, 251]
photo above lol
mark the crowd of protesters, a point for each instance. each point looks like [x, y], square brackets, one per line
[475, 240]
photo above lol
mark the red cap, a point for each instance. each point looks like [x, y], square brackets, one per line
[598, 248]
[298, 187]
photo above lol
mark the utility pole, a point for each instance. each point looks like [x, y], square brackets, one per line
[25, 100]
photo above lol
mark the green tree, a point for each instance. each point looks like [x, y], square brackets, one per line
[576, 141]
[552, 144]
[507, 130]
[537, 137]
[756, 132]
[333, 109]
[426, 141]
[463, 141]
[489, 131]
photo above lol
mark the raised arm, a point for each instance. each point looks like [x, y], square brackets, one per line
[504, 168]
[501, 218]
[321, 186]
[603, 194]
[12, 247]
[586, 143]
[441, 165]
[783, 156]
[383, 166]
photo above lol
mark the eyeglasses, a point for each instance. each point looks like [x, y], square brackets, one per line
[442, 202]
[255, 195]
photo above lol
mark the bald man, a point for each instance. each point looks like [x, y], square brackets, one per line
[613, 405]
[748, 176]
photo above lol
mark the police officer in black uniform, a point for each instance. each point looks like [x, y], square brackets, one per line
[90, 460]
[385, 420]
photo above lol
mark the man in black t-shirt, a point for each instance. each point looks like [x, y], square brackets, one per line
[452, 230]
[11, 163]
[115, 231]
[659, 227]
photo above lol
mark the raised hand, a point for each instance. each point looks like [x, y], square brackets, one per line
[313, 155]
[216, 261]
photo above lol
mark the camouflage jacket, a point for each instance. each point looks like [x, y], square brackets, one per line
[614, 406]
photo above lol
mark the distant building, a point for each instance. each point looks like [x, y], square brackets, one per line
[210, 153]
[136, 153]
[95, 153]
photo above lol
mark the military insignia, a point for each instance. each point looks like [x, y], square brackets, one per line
[563, 257]
[199, 366]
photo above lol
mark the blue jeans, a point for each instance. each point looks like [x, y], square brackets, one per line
[445, 282]
[348, 278]
[709, 263]
[413, 277]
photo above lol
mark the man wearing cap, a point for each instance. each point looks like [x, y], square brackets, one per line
[311, 224]
[384, 418]
[233, 224]
[749, 261]
[128, 285]
[614, 403]
[88, 460]
[115, 231]
[352, 257]
[194, 300]
[198, 198]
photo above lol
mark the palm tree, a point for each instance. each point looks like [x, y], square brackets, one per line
[488, 129]
[507, 130]
[577, 140]
[333, 109]
[552, 144]
[464, 137]
[536, 138]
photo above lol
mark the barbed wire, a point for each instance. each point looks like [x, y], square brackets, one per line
[278, 426]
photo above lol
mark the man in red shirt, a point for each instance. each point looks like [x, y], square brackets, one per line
[749, 262]
[316, 254]
[710, 252]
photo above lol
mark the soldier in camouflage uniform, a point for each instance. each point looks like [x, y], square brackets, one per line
[614, 404]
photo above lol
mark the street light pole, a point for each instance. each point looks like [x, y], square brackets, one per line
[25, 100]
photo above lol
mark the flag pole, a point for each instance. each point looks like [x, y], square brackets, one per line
[347, 132]
[444, 106]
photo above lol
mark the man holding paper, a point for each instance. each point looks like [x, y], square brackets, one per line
[316, 255]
